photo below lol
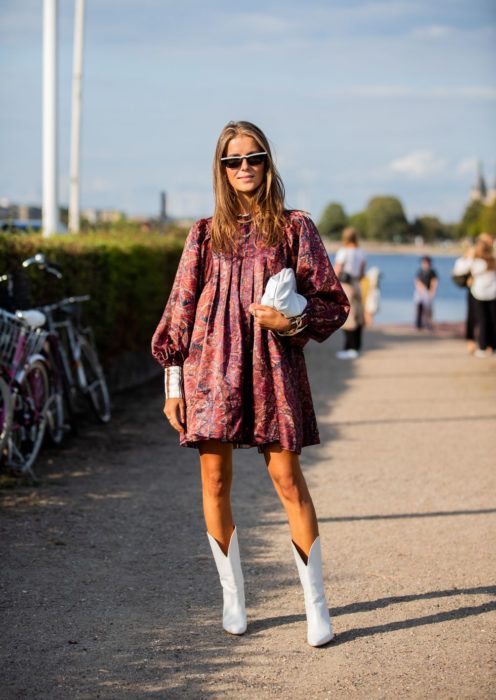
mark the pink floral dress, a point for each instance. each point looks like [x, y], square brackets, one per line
[244, 384]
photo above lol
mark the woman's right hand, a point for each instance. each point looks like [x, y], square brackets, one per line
[175, 412]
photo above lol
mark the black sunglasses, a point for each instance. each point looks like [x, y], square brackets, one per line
[234, 162]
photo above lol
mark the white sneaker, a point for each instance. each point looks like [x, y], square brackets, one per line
[481, 353]
[347, 354]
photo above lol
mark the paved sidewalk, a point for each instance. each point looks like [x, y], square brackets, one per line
[108, 589]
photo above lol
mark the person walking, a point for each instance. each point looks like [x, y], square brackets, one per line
[235, 374]
[350, 266]
[465, 280]
[480, 264]
[426, 281]
[372, 304]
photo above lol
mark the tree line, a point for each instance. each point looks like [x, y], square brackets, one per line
[384, 219]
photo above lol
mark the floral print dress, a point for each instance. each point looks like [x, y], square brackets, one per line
[241, 383]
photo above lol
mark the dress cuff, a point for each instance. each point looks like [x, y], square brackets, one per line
[173, 382]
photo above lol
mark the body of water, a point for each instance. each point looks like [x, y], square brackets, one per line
[397, 285]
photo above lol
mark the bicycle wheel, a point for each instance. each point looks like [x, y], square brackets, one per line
[55, 424]
[55, 408]
[92, 380]
[5, 413]
[29, 419]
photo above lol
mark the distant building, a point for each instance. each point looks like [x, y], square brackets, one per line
[91, 215]
[111, 216]
[163, 208]
[21, 212]
[27, 212]
[480, 192]
[102, 216]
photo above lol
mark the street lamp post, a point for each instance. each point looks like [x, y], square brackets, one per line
[74, 215]
[49, 173]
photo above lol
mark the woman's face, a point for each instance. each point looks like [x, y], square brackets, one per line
[248, 178]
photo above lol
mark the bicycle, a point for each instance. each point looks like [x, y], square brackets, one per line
[5, 412]
[73, 355]
[28, 400]
[44, 362]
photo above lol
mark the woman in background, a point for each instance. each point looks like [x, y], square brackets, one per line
[480, 263]
[350, 266]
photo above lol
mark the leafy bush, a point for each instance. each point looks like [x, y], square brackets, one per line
[128, 274]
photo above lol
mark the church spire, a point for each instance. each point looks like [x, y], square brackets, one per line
[480, 184]
[478, 191]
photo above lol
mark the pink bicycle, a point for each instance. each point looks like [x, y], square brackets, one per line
[26, 401]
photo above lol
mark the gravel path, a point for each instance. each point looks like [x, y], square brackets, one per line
[108, 589]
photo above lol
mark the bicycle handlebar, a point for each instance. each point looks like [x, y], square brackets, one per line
[40, 260]
[65, 302]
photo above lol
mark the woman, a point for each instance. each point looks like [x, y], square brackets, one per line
[481, 265]
[465, 280]
[235, 373]
[350, 268]
[426, 282]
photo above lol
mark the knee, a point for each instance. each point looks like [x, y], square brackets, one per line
[290, 488]
[216, 484]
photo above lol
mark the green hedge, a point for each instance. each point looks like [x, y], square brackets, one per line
[128, 274]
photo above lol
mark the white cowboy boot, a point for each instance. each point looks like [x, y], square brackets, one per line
[318, 620]
[231, 579]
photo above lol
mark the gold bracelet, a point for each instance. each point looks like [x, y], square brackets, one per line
[297, 325]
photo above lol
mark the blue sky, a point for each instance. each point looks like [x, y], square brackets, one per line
[358, 98]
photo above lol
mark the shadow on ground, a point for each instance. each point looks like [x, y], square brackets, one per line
[108, 588]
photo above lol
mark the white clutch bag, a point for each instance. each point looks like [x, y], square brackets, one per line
[280, 292]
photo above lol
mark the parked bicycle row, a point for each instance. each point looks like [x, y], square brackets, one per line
[48, 365]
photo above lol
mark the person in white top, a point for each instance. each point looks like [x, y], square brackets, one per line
[350, 266]
[480, 263]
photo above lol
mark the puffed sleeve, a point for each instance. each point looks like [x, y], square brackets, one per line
[327, 304]
[171, 340]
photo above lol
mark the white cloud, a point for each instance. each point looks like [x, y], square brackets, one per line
[256, 22]
[469, 92]
[433, 31]
[418, 164]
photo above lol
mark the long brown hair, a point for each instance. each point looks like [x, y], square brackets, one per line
[350, 235]
[484, 250]
[268, 200]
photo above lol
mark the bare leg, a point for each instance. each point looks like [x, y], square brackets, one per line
[289, 482]
[216, 474]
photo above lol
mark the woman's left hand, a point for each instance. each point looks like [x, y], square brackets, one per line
[270, 318]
